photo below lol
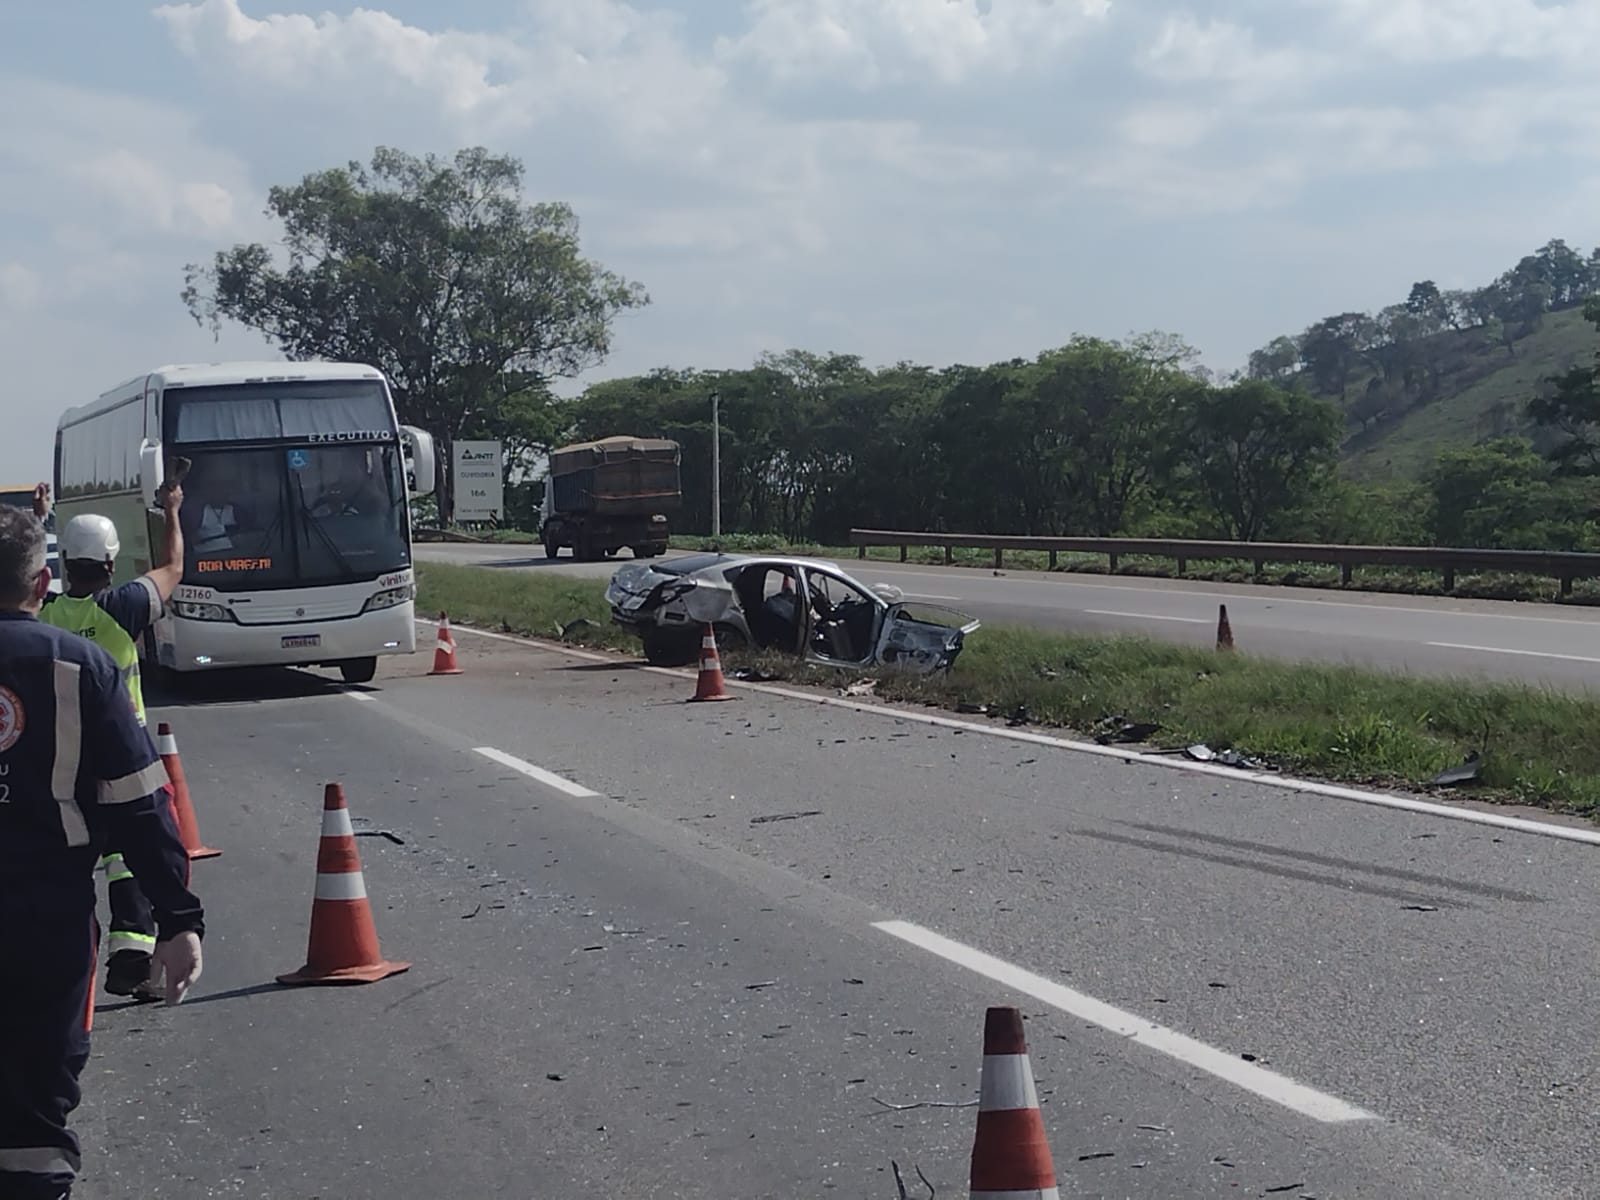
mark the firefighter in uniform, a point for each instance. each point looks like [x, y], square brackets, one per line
[115, 618]
[76, 770]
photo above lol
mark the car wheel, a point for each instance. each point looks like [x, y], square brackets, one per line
[730, 640]
[669, 650]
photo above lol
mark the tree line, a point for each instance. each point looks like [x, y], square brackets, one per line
[1379, 366]
[474, 301]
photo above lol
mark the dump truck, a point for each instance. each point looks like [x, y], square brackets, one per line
[615, 492]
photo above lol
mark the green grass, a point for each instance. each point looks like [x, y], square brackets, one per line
[1336, 723]
[1405, 449]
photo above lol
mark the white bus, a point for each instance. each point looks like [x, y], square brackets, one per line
[296, 513]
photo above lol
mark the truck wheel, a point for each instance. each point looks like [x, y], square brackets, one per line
[358, 670]
[551, 549]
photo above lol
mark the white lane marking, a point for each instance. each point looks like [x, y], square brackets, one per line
[1230, 1068]
[928, 596]
[539, 774]
[1102, 612]
[358, 696]
[1522, 653]
[1304, 787]
[1073, 579]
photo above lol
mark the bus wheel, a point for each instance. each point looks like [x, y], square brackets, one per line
[358, 670]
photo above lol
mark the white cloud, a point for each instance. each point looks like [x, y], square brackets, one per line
[1185, 51]
[1422, 31]
[20, 286]
[891, 40]
[301, 50]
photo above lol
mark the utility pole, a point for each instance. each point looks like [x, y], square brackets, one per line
[716, 468]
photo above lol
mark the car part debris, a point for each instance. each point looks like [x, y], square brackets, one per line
[794, 816]
[1470, 770]
[1128, 733]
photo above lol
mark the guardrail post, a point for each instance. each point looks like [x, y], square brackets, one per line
[1566, 585]
[999, 558]
[1261, 568]
[1345, 571]
[904, 550]
[1053, 560]
[1449, 579]
[1113, 560]
[861, 551]
[949, 556]
[1183, 566]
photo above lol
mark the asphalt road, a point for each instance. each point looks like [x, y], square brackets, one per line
[700, 954]
[1540, 643]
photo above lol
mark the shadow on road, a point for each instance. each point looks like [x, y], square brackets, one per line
[255, 989]
[243, 686]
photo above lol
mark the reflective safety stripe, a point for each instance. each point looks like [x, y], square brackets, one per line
[116, 870]
[120, 939]
[347, 885]
[336, 823]
[134, 787]
[69, 750]
[1007, 1083]
[166, 744]
[38, 1160]
[1048, 1193]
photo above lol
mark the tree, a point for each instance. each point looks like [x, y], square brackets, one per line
[1571, 408]
[1255, 451]
[1277, 361]
[1500, 495]
[1331, 349]
[1425, 299]
[437, 273]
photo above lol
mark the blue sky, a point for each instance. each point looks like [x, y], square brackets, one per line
[935, 180]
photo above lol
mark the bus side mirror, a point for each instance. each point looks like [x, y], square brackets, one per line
[152, 471]
[422, 469]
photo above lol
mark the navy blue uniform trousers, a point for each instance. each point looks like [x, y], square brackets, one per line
[46, 1009]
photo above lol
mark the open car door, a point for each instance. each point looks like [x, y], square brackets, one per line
[922, 638]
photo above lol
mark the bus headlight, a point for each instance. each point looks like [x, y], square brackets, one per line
[201, 612]
[390, 599]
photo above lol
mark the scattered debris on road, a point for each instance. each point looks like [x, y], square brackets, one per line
[794, 816]
[924, 1104]
[900, 1183]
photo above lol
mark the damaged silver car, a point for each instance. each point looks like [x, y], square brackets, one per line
[790, 605]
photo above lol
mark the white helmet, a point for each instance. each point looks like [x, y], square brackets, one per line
[90, 537]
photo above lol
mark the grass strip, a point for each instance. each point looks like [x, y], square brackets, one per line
[1338, 723]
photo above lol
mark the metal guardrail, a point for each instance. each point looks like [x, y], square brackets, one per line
[1562, 565]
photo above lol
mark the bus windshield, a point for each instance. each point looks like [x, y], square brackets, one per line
[287, 515]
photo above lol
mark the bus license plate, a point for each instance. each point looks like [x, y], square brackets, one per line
[301, 641]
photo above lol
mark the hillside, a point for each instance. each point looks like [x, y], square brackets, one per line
[1485, 397]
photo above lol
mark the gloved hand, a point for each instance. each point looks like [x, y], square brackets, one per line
[178, 960]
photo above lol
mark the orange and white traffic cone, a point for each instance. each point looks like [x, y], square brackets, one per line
[444, 654]
[344, 942]
[709, 685]
[182, 809]
[1224, 630]
[1010, 1157]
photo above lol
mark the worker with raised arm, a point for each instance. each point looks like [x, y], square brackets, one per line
[77, 770]
[115, 618]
